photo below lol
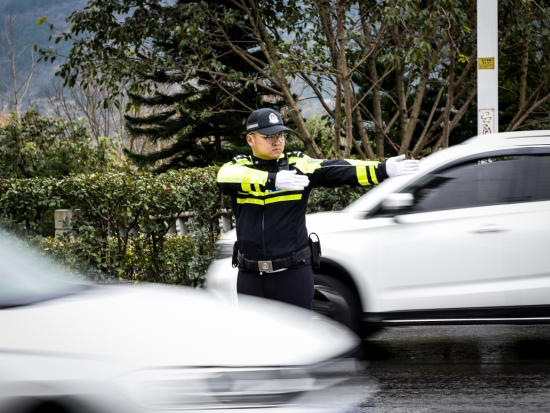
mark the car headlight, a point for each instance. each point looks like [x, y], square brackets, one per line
[217, 388]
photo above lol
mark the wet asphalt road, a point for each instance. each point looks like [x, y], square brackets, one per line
[492, 368]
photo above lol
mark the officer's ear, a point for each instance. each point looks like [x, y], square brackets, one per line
[250, 139]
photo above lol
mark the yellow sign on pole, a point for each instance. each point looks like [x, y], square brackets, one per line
[486, 63]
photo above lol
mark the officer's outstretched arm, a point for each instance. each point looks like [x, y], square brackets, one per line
[331, 173]
[337, 172]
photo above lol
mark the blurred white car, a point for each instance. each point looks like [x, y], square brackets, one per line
[68, 347]
[464, 240]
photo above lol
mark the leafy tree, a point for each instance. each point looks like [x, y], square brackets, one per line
[200, 119]
[426, 47]
[420, 80]
[40, 146]
[194, 138]
[322, 131]
[524, 65]
[122, 38]
[198, 115]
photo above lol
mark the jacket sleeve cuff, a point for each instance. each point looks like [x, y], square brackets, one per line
[270, 183]
[381, 173]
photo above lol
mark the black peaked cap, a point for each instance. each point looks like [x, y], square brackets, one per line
[266, 121]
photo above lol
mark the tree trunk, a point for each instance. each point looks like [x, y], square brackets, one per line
[422, 140]
[377, 109]
[349, 117]
[362, 132]
[343, 74]
[526, 109]
[524, 66]
[450, 93]
[411, 122]
[311, 147]
[402, 101]
[337, 118]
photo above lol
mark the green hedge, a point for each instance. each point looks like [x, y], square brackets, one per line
[107, 208]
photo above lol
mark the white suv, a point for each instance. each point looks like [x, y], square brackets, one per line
[466, 240]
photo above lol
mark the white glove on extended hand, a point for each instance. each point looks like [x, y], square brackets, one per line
[289, 180]
[398, 165]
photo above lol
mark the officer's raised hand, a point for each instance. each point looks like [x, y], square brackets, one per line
[290, 180]
[398, 165]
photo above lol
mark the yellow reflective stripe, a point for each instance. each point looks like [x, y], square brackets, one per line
[362, 175]
[252, 176]
[243, 161]
[308, 165]
[282, 198]
[372, 170]
[231, 173]
[242, 175]
[246, 179]
[250, 201]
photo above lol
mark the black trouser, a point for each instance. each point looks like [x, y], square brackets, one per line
[292, 286]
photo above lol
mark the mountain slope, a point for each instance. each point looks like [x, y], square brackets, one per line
[27, 33]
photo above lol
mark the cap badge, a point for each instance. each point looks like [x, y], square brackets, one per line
[273, 118]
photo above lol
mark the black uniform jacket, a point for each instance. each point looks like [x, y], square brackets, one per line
[271, 223]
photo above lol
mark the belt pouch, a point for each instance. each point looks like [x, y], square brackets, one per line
[315, 250]
[235, 256]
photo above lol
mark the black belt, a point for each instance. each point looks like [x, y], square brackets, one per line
[277, 264]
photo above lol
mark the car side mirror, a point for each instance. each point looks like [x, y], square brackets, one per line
[395, 202]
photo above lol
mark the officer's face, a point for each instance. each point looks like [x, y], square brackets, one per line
[262, 148]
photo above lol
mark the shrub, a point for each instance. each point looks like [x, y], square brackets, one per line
[183, 260]
[109, 207]
[43, 147]
[28, 204]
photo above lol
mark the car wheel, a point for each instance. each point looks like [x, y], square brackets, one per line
[335, 300]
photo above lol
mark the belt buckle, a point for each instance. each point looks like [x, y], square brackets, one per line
[265, 266]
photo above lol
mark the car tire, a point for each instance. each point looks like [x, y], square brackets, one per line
[335, 300]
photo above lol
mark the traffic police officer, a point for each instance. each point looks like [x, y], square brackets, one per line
[269, 193]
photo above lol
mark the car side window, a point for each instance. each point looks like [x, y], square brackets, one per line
[487, 181]
[536, 180]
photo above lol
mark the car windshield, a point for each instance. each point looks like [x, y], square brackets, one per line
[27, 278]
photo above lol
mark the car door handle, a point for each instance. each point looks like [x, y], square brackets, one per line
[488, 229]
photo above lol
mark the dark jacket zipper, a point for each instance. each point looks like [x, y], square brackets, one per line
[263, 210]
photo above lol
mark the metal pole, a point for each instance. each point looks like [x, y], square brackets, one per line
[487, 67]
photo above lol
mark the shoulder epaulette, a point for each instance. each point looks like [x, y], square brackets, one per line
[236, 158]
[299, 154]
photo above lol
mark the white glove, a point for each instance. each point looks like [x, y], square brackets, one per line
[289, 180]
[397, 166]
